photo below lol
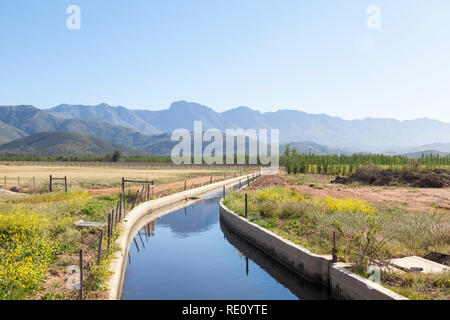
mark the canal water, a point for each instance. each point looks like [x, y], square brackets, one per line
[189, 254]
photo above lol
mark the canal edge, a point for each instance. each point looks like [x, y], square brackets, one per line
[118, 263]
[343, 283]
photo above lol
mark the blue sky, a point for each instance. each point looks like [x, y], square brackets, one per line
[316, 56]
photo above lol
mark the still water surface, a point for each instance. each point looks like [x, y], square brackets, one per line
[190, 254]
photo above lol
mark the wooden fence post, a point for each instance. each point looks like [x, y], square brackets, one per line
[51, 187]
[65, 183]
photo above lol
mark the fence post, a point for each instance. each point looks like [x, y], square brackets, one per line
[185, 185]
[123, 184]
[18, 181]
[65, 183]
[224, 192]
[34, 184]
[99, 254]
[109, 230]
[51, 188]
[81, 274]
[121, 205]
[334, 250]
[246, 206]
[113, 217]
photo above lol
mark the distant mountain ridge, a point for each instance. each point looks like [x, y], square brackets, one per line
[307, 147]
[442, 147]
[9, 133]
[63, 143]
[419, 154]
[368, 135]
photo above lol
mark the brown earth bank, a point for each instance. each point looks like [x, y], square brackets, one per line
[375, 176]
[417, 199]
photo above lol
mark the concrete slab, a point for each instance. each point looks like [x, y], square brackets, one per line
[416, 263]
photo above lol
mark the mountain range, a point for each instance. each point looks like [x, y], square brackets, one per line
[63, 143]
[150, 131]
[367, 135]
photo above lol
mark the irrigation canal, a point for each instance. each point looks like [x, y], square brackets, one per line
[189, 254]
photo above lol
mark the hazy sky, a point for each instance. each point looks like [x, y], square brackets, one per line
[315, 56]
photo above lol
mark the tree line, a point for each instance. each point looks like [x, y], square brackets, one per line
[115, 157]
[347, 164]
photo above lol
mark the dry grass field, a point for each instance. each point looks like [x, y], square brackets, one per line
[21, 177]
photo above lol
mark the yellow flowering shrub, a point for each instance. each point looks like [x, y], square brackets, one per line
[26, 252]
[278, 194]
[345, 205]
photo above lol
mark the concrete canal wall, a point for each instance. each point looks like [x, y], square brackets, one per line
[343, 283]
[146, 211]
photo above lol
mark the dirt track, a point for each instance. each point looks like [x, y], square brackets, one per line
[9, 193]
[166, 188]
